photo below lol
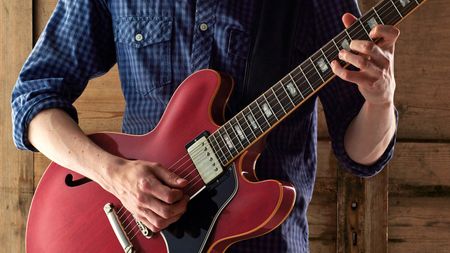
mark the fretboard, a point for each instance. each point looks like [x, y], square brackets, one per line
[269, 109]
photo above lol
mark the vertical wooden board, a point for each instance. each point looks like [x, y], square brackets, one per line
[16, 168]
[322, 209]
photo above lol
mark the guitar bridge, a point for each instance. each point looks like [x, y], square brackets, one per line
[204, 159]
[118, 229]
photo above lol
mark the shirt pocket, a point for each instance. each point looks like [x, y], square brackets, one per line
[143, 47]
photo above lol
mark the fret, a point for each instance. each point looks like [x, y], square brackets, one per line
[357, 31]
[276, 106]
[388, 12]
[314, 65]
[239, 132]
[251, 123]
[376, 13]
[322, 64]
[405, 6]
[267, 108]
[370, 21]
[337, 53]
[303, 89]
[293, 90]
[350, 37]
[225, 138]
[367, 31]
[259, 117]
[217, 148]
[234, 136]
[221, 144]
[399, 13]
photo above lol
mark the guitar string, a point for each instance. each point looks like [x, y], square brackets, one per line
[286, 96]
[361, 31]
[308, 70]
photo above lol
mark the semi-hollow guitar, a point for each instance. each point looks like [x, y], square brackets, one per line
[71, 213]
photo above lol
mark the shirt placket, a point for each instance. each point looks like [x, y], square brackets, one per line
[203, 34]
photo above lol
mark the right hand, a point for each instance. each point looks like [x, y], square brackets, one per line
[150, 192]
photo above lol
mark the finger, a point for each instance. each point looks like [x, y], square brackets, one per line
[369, 48]
[388, 34]
[348, 19]
[148, 217]
[355, 77]
[361, 62]
[169, 178]
[166, 211]
[152, 186]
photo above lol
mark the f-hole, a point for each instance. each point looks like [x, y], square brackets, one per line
[74, 183]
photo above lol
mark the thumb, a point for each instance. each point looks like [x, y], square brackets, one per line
[348, 19]
[169, 178]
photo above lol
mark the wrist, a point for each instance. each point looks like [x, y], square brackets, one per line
[110, 171]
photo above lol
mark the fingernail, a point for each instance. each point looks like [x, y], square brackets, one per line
[181, 180]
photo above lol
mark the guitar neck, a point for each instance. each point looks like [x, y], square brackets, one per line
[269, 109]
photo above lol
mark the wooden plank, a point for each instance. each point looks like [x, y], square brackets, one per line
[16, 168]
[419, 198]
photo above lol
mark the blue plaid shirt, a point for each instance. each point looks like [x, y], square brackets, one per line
[157, 44]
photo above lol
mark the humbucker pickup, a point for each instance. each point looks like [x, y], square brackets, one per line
[204, 159]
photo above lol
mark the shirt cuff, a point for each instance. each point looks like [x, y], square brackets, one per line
[355, 168]
[23, 117]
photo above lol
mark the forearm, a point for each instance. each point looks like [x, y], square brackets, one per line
[370, 133]
[54, 133]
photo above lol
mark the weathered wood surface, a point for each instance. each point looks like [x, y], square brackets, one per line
[419, 198]
[16, 168]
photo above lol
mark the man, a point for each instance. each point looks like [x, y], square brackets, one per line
[156, 45]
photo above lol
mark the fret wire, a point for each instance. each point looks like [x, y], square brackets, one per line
[242, 130]
[334, 42]
[225, 144]
[270, 107]
[376, 13]
[237, 136]
[417, 2]
[295, 83]
[314, 65]
[396, 8]
[306, 78]
[256, 120]
[326, 58]
[282, 85]
[364, 28]
[348, 34]
[218, 149]
[248, 125]
[276, 97]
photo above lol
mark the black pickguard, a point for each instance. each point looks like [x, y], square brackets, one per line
[189, 234]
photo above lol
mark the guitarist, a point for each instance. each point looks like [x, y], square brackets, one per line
[157, 44]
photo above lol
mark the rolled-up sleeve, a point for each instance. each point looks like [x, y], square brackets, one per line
[341, 100]
[77, 44]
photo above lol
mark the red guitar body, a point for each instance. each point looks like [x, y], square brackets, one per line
[67, 212]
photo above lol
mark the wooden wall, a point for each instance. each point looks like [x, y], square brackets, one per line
[404, 209]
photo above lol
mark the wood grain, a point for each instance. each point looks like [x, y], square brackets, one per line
[16, 168]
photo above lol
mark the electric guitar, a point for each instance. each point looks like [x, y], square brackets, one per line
[70, 213]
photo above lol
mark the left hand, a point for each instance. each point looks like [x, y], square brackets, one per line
[375, 77]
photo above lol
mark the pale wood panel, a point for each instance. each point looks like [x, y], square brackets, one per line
[16, 168]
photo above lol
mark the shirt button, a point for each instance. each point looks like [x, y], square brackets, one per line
[139, 37]
[203, 27]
